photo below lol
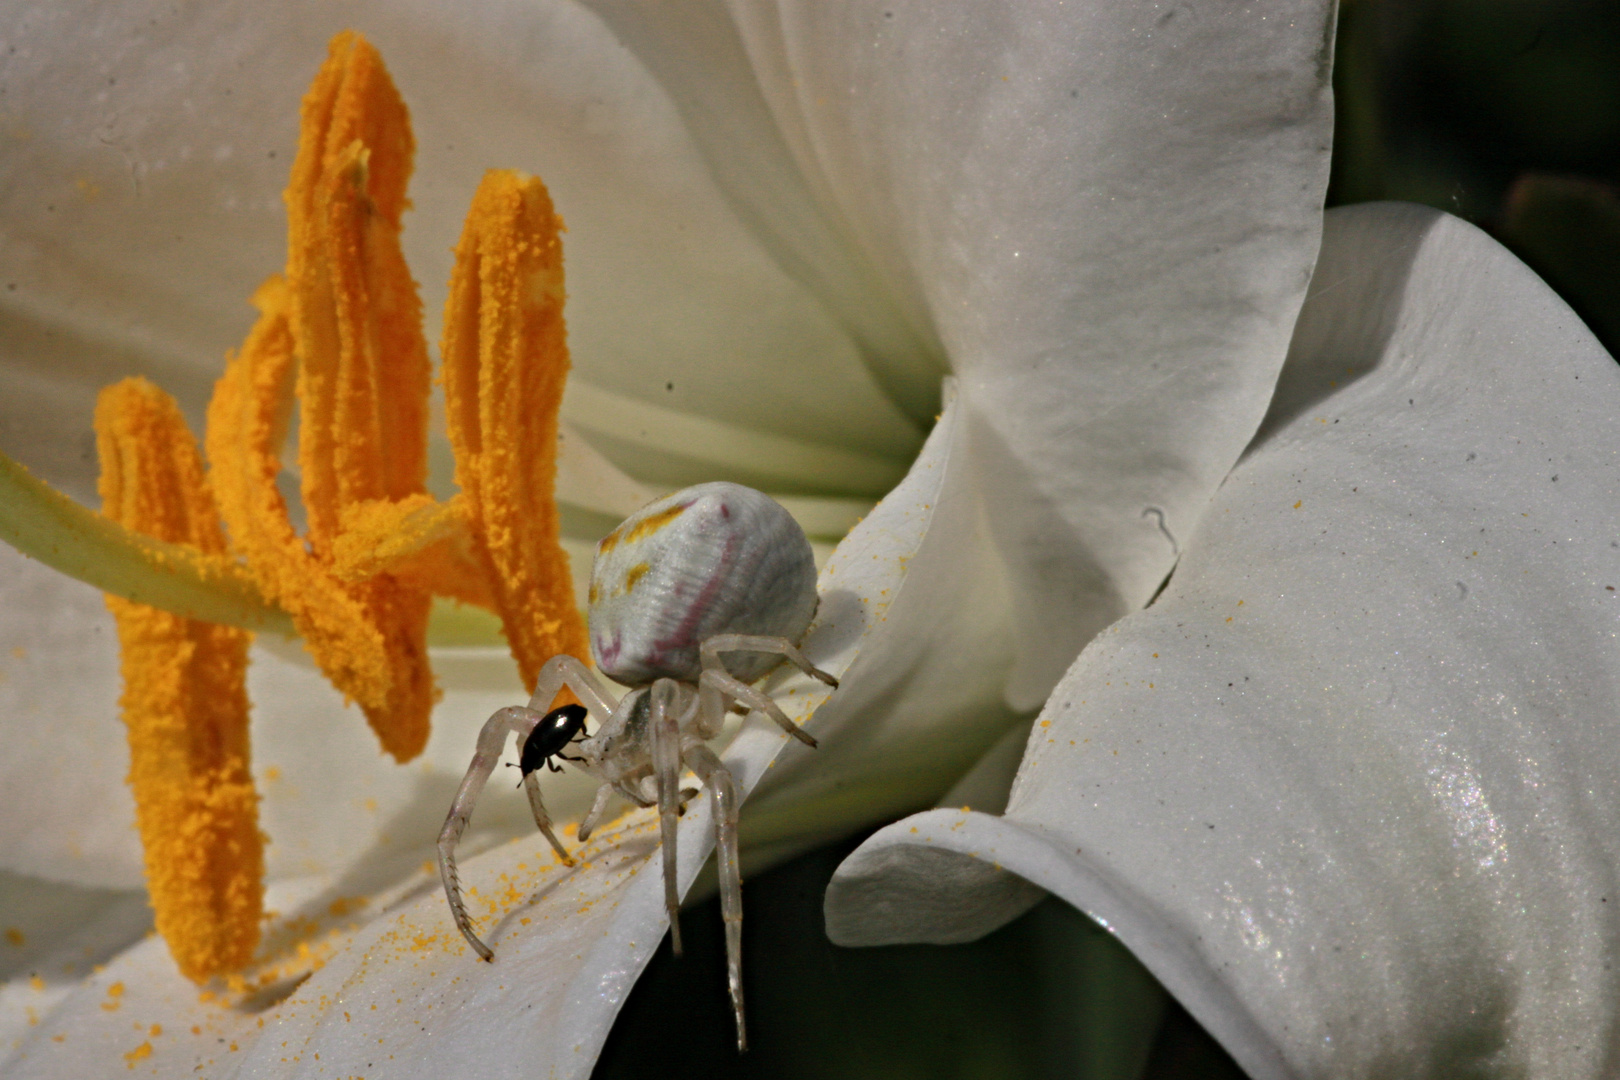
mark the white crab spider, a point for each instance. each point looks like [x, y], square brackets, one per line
[714, 569]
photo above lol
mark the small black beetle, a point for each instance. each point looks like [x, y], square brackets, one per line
[556, 730]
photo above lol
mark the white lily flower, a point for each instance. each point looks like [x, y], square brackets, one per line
[787, 225]
[1348, 787]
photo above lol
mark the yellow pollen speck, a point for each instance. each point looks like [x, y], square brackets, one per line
[1299, 504]
[15, 936]
[140, 1053]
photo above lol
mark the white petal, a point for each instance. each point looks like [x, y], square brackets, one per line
[1102, 216]
[69, 816]
[699, 54]
[1347, 787]
[569, 943]
[138, 1012]
[147, 149]
[53, 936]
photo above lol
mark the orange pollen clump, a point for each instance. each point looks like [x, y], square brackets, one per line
[185, 699]
[340, 337]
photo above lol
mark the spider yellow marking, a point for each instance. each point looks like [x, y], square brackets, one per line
[652, 523]
[634, 575]
[185, 699]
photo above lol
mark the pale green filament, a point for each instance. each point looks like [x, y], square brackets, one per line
[46, 525]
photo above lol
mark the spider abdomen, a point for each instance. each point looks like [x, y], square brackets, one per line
[717, 558]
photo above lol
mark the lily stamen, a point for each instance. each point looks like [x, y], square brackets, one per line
[341, 335]
[185, 699]
[505, 361]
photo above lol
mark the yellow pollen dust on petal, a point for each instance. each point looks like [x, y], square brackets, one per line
[505, 356]
[185, 699]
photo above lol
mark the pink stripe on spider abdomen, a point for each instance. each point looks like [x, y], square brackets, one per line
[684, 636]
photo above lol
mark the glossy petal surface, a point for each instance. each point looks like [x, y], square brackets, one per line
[1346, 788]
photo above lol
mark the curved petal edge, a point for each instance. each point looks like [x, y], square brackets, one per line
[1347, 787]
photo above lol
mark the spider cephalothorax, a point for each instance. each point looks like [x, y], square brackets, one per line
[711, 570]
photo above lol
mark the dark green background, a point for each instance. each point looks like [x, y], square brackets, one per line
[1504, 112]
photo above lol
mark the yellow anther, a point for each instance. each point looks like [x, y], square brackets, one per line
[340, 336]
[505, 360]
[348, 315]
[185, 701]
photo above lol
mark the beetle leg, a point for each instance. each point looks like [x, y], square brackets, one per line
[717, 778]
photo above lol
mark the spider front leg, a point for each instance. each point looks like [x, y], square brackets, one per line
[664, 727]
[717, 778]
[517, 720]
